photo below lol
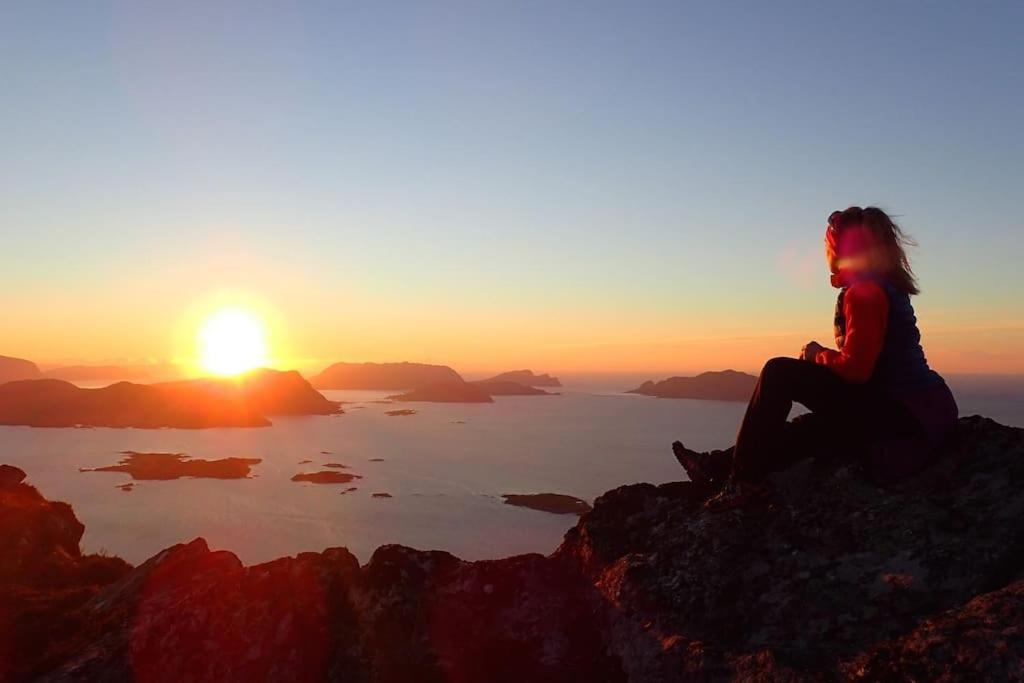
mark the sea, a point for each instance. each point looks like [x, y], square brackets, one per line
[445, 469]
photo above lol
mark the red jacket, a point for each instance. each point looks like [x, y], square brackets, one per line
[866, 308]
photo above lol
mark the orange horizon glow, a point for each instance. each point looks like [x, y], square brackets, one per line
[683, 332]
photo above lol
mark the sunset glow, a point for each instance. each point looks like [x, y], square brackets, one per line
[232, 340]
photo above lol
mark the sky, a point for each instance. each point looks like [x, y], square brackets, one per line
[567, 186]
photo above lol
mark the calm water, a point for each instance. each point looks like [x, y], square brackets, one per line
[446, 468]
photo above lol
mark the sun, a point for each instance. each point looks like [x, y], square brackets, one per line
[231, 341]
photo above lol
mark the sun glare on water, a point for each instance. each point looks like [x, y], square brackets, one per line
[232, 341]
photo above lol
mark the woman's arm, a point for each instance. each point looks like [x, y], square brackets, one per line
[866, 308]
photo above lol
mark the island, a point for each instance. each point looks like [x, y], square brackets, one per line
[526, 377]
[446, 392]
[163, 466]
[326, 477]
[383, 376]
[16, 369]
[110, 373]
[243, 401]
[506, 388]
[726, 385]
[555, 503]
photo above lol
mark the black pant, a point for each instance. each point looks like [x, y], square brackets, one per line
[848, 420]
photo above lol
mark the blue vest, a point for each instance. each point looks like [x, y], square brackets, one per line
[901, 368]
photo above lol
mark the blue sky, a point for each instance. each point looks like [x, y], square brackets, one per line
[604, 181]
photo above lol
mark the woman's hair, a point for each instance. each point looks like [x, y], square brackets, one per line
[888, 236]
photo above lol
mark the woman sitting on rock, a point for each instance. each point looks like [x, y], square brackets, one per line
[874, 396]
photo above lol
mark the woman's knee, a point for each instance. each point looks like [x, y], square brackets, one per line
[778, 369]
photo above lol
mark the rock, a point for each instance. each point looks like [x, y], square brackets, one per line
[526, 378]
[243, 401]
[44, 580]
[192, 614]
[804, 578]
[16, 369]
[404, 412]
[727, 385]
[833, 579]
[163, 466]
[380, 495]
[981, 641]
[383, 376]
[555, 503]
[10, 476]
[452, 392]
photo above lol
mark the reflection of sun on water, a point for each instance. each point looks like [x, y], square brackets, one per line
[231, 341]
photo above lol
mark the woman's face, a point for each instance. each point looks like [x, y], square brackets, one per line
[854, 248]
[831, 251]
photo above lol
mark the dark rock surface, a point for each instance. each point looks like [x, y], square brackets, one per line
[450, 392]
[727, 385]
[243, 401]
[45, 580]
[555, 503]
[383, 376]
[10, 475]
[527, 378]
[16, 369]
[832, 579]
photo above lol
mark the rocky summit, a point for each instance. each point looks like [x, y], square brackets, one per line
[833, 578]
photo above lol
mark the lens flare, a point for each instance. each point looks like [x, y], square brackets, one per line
[232, 341]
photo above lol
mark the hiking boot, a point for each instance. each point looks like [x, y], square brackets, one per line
[734, 496]
[699, 466]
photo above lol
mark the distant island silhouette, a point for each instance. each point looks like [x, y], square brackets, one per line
[468, 392]
[446, 392]
[525, 377]
[163, 466]
[725, 385]
[431, 383]
[244, 401]
[97, 373]
[326, 477]
[383, 376]
[555, 503]
[507, 388]
[15, 369]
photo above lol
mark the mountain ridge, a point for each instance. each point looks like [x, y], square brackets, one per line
[245, 401]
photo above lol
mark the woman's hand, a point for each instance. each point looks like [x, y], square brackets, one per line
[810, 351]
